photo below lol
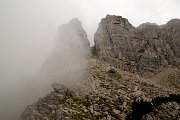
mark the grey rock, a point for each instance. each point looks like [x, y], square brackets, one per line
[136, 94]
[91, 109]
[136, 88]
[61, 89]
[116, 112]
[146, 49]
[122, 116]
[71, 45]
[105, 108]
[96, 107]
[165, 111]
[45, 118]
[124, 104]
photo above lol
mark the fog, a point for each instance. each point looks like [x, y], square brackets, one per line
[28, 30]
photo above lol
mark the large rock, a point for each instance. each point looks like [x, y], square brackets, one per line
[66, 63]
[146, 49]
[72, 46]
[61, 89]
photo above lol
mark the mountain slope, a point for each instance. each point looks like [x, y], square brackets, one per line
[133, 73]
[107, 94]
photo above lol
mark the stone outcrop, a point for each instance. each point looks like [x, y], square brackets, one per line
[74, 35]
[66, 63]
[61, 89]
[71, 46]
[146, 49]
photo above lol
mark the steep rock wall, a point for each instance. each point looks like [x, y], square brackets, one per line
[146, 49]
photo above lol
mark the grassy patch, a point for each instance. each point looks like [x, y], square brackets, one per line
[115, 76]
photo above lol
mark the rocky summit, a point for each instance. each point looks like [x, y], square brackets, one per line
[132, 74]
[146, 49]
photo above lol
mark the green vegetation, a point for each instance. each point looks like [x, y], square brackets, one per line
[78, 108]
[115, 76]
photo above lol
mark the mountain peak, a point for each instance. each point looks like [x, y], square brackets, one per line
[146, 49]
[75, 21]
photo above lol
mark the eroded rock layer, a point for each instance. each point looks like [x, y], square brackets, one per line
[146, 49]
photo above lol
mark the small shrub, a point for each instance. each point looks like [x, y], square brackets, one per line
[114, 76]
[139, 109]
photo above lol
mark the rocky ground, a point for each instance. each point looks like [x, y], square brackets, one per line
[107, 94]
[166, 111]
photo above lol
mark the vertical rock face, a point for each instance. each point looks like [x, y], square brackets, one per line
[64, 69]
[66, 63]
[74, 36]
[146, 49]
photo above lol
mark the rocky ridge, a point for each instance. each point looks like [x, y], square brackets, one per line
[145, 50]
[113, 87]
[66, 63]
[71, 43]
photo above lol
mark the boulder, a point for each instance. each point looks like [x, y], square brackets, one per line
[61, 89]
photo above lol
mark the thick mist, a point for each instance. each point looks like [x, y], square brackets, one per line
[27, 37]
[65, 65]
[30, 41]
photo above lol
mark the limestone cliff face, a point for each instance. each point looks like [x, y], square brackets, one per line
[74, 36]
[66, 63]
[146, 49]
[71, 45]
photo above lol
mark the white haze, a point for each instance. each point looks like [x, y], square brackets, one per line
[28, 28]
